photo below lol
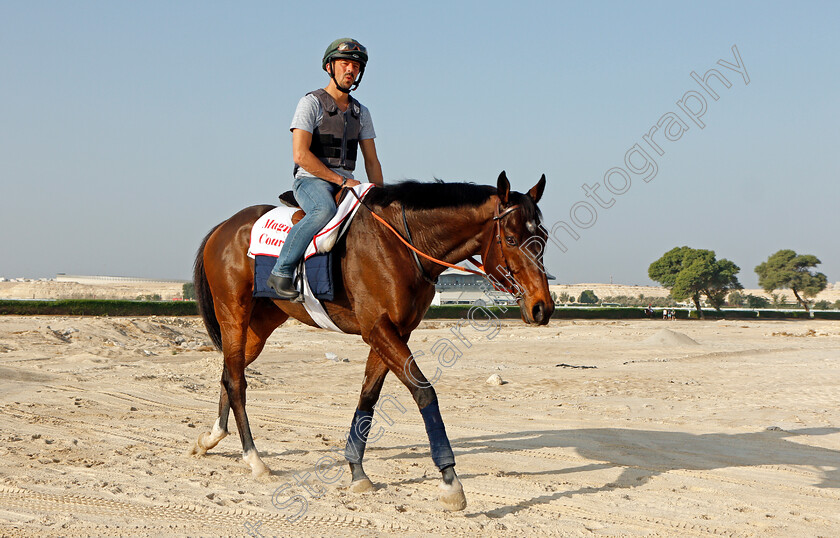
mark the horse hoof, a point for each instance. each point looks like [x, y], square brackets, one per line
[259, 470]
[361, 485]
[208, 440]
[452, 496]
[201, 447]
[263, 478]
[261, 474]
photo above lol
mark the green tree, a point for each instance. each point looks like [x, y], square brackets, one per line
[736, 298]
[691, 273]
[786, 269]
[588, 297]
[755, 301]
[189, 291]
[721, 280]
[822, 305]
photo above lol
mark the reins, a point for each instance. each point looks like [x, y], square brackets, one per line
[482, 272]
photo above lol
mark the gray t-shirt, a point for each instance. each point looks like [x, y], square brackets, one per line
[308, 116]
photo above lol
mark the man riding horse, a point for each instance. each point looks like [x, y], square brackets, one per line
[384, 289]
[327, 129]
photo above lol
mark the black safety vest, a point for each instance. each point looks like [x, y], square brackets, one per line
[336, 140]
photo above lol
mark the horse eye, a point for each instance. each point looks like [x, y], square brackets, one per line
[511, 240]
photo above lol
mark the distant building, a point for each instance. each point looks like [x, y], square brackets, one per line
[459, 287]
[100, 279]
[455, 279]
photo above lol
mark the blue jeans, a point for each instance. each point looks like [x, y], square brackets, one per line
[317, 198]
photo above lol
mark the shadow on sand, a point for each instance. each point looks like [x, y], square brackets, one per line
[644, 454]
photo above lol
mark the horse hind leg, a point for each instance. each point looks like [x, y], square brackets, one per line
[208, 440]
[265, 318]
[233, 379]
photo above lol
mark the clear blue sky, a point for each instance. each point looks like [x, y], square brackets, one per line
[129, 129]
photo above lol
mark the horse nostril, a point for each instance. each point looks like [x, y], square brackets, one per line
[538, 312]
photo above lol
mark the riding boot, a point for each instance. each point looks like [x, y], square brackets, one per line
[282, 286]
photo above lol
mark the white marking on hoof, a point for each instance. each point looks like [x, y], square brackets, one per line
[452, 496]
[208, 440]
[258, 468]
[361, 485]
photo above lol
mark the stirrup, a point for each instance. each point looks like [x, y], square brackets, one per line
[297, 285]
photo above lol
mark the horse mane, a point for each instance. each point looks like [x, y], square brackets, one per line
[413, 194]
[418, 195]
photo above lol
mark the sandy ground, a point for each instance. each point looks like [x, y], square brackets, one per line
[687, 428]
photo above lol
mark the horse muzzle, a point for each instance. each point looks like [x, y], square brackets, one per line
[537, 313]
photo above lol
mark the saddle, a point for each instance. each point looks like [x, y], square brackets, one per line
[288, 200]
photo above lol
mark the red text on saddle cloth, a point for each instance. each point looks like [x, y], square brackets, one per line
[270, 232]
[266, 239]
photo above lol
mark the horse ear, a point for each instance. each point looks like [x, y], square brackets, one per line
[503, 187]
[536, 191]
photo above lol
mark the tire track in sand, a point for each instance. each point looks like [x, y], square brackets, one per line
[71, 504]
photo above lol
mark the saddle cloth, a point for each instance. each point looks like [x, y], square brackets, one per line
[270, 231]
[267, 238]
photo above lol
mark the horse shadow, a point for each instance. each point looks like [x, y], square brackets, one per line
[645, 454]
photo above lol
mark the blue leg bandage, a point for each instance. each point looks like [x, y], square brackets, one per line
[438, 441]
[354, 451]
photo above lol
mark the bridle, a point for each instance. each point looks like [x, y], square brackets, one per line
[498, 215]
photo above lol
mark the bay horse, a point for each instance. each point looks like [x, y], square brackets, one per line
[383, 296]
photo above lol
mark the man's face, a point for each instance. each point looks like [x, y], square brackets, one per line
[346, 72]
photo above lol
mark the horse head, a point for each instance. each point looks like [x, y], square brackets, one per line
[514, 252]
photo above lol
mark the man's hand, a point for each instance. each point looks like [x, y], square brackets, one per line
[351, 183]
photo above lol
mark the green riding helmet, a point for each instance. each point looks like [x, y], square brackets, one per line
[346, 49]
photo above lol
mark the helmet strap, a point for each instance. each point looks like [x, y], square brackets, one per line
[354, 86]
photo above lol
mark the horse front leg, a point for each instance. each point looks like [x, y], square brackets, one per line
[354, 451]
[385, 340]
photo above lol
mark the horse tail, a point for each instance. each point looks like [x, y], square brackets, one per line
[204, 297]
